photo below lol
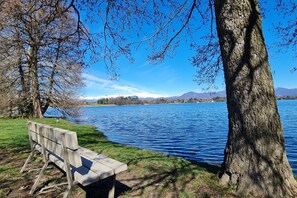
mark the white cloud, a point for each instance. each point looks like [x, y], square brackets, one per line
[125, 88]
[89, 77]
[102, 88]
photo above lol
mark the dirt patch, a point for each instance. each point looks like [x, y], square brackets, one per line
[16, 184]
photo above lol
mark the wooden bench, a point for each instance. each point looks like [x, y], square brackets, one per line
[82, 166]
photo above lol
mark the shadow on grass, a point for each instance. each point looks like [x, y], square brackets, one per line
[176, 177]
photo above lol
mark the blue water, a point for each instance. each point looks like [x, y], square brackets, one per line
[196, 131]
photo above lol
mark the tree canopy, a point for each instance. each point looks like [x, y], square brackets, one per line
[42, 55]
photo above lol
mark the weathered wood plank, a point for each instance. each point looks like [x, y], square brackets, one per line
[102, 170]
[113, 164]
[55, 133]
[57, 149]
[80, 174]
[35, 137]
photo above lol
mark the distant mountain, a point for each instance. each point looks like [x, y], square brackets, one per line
[192, 94]
[90, 100]
[280, 91]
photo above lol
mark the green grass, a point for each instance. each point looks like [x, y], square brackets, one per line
[150, 174]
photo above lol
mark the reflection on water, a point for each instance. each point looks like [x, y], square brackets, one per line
[195, 131]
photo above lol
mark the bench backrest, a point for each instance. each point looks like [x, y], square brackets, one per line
[60, 142]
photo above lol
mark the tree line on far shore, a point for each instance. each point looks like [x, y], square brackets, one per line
[134, 100]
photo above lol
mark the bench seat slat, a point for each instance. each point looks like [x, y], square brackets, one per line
[113, 164]
[100, 169]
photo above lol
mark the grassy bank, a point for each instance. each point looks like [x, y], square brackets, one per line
[150, 174]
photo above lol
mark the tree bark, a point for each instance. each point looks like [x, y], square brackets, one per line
[28, 88]
[255, 157]
[33, 57]
[37, 111]
[22, 100]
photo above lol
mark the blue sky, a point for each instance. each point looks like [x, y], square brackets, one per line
[175, 76]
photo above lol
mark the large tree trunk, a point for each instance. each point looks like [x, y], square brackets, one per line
[37, 111]
[255, 157]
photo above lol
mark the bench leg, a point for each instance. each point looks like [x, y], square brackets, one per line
[67, 193]
[38, 178]
[27, 161]
[69, 189]
[112, 187]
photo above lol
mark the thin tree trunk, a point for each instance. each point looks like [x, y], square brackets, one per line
[22, 94]
[255, 157]
[22, 99]
[52, 80]
[28, 88]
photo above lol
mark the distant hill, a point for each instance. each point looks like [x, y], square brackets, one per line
[192, 94]
[280, 91]
[90, 100]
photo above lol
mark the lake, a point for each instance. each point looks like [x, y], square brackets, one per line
[196, 131]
